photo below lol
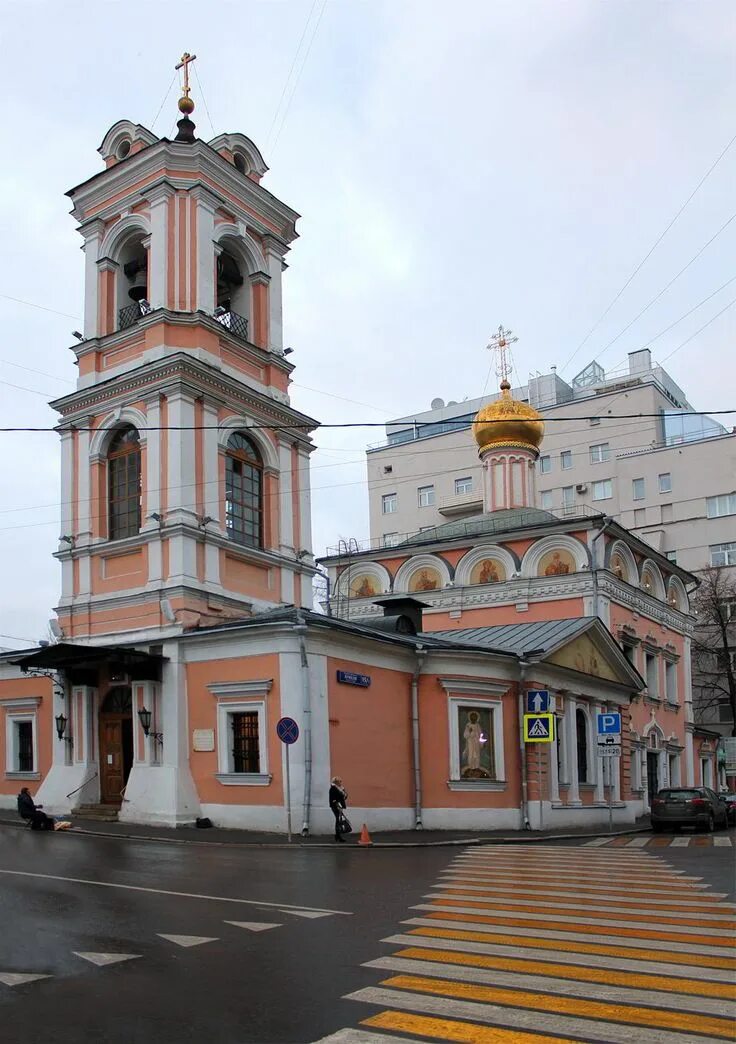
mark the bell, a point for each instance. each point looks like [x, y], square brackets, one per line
[139, 288]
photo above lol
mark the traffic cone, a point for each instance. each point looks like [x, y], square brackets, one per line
[365, 837]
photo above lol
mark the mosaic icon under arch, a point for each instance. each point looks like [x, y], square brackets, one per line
[425, 579]
[556, 563]
[489, 571]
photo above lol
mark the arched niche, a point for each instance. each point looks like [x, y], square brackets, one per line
[126, 243]
[540, 560]
[487, 564]
[110, 424]
[364, 580]
[238, 258]
[422, 574]
[677, 595]
[650, 579]
[621, 562]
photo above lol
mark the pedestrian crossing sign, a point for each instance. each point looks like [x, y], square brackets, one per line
[539, 728]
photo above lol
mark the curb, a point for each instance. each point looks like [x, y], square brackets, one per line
[319, 846]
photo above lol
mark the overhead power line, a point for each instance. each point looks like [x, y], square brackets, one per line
[651, 250]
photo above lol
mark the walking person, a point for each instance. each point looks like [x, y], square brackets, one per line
[27, 809]
[338, 801]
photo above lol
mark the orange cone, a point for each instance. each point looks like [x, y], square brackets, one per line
[365, 837]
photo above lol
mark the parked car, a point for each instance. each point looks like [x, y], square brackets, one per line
[689, 806]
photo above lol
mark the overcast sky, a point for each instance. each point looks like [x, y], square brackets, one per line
[456, 166]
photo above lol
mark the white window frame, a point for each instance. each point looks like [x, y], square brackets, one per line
[13, 719]
[713, 505]
[568, 496]
[545, 464]
[460, 483]
[566, 461]
[643, 489]
[664, 487]
[474, 697]
[727, 549]
[670, 681]
[389, 503]
[392, 539]
[649, 653]
[241, 698]
[600, 452]
[546, 499]
[425, 496]
[603, 482]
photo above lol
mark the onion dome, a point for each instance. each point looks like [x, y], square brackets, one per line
[507, 422]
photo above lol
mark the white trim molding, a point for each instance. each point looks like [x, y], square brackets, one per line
[476, 702]
[478, 554]
[559, 542]
[245, 689]
[412, 565]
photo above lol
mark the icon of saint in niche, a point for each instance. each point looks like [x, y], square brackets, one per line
[474, 752]
[488, 573]
[425, 582]
[557, 567]
[365, 589]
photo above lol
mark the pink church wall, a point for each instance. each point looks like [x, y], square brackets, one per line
[24, 688]
[495, 616]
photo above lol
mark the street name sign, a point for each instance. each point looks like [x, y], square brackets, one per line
[537, 701]
[539, 728]
[351, 678]
[612, 750]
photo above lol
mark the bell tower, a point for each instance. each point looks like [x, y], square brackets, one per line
[185, 469]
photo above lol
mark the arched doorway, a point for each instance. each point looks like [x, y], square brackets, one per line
[116, 743]
[653, 781]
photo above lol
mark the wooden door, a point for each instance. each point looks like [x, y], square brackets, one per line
[112, 769]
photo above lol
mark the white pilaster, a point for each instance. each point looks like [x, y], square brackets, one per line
[93, 233]
[274, 256]
[573, 793]
[598, 763]
[205, 262]
[158, 254]
[286, 513]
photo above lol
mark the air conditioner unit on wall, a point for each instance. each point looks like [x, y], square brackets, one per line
[581, 488]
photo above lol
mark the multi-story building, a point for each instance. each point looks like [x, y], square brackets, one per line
[628, 445]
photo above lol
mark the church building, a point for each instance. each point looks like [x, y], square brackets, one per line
[185, 628]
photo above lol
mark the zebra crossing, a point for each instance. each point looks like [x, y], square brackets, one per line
[520, 946]
[658, 841]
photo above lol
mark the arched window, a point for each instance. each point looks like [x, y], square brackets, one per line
[581, 730]
[244, 491]
[124, 484]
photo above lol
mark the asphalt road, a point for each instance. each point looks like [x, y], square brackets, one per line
[312, 919]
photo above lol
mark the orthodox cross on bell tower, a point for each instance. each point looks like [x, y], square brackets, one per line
[186, 105]
[186, 58]
[500, 344]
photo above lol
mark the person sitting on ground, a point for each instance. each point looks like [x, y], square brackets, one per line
[27, 809]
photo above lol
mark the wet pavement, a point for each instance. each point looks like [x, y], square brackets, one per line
[137, 939]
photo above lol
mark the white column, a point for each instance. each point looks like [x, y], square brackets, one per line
[158, 255]
[286, 514]
[275, 249]
[84, 499]
[573, 792]
[205, 261]
[93, 233]
[598, 763]
[181, 489]
[554, 776]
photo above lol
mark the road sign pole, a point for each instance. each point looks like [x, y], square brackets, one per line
[610, 794]
[539, 784]
[288, 795]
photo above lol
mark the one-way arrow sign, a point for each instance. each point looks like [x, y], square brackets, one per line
[537, 701]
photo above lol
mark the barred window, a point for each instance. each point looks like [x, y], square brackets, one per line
[246, 755]
[25, 746]
[124, 484]
[244, 491]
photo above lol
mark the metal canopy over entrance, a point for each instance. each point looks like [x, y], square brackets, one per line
[82, 663]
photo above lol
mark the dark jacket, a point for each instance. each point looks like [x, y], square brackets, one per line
[26, 807]
[337, 797]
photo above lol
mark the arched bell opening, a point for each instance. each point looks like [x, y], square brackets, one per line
[132, 288]
[233, 290]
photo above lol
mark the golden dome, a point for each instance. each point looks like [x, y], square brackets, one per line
[507, 422]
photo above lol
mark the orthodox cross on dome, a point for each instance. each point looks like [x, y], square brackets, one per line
[186, 58]
[500, 344]
[186, 105]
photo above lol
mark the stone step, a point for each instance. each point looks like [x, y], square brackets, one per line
[99, 813]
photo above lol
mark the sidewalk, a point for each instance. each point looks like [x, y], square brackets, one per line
[388, 839]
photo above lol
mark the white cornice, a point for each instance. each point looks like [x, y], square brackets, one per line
[255, 687]
[473, 687]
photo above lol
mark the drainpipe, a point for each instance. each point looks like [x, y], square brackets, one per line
[420, 654]
[525, 825]
[604, 526]
[300, 629]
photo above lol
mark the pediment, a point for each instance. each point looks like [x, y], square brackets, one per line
[588, 656]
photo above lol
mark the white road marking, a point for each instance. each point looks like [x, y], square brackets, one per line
[541, 916]
[598, 841]
[679, 842]
[187, 940]
[282, 907]
[103, 959]
[549, 1023]
[593, 873]
[356, 1036]
[547, 984]
[536, 902]
[253, 926]
[639, 842]
[541, 932]
[557, 895]
[308, 913]
[535, 954]
[19, 978]
[503, 880]
[722, 842]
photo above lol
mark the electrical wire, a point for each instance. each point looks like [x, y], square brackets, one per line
[298, 77]
[291, 70]
[700, 330]
[42, 308]
[651, 250]
[165, 98]
[204, 100]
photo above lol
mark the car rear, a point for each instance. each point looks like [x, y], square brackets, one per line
[681, 806]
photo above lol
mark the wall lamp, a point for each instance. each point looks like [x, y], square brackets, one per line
[61, 723]
[145, 720]
[67, 540]
[288, 351]
[205, 520]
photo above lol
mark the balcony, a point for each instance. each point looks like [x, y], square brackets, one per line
[236, 324]
[130, 315]
[461, 504]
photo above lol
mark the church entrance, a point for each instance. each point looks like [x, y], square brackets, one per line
[116, 744]
[652, 775]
